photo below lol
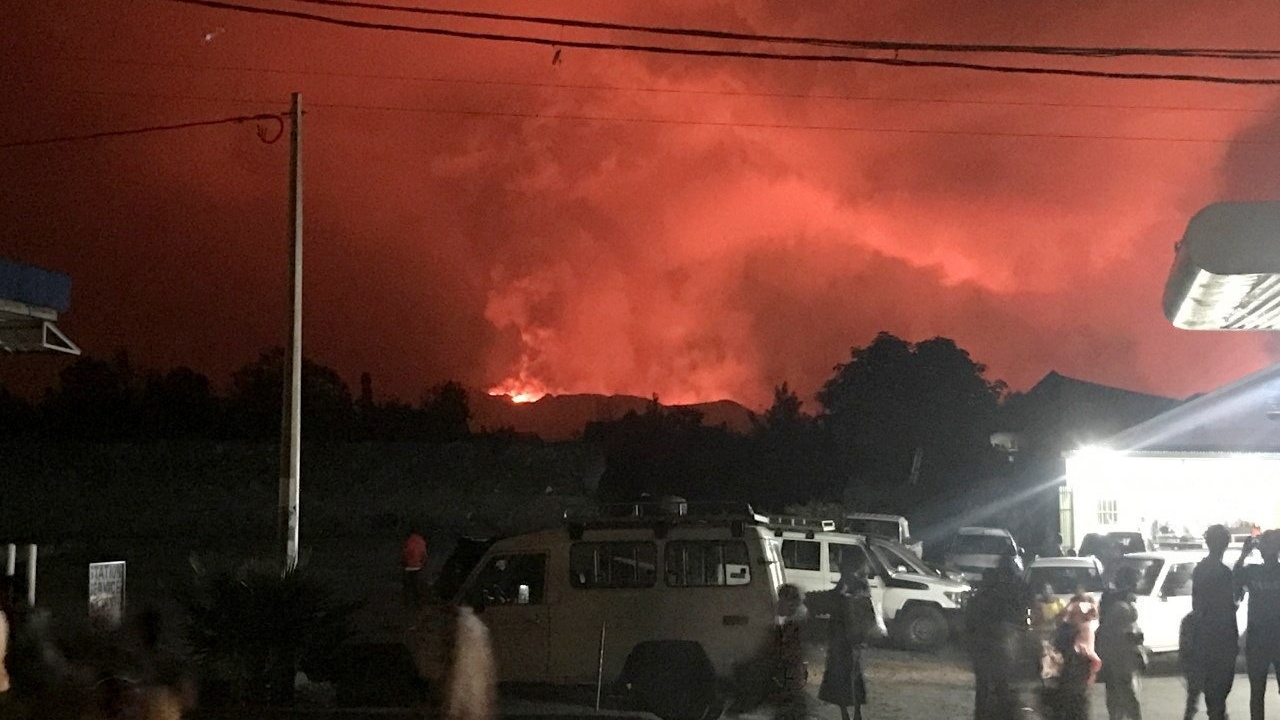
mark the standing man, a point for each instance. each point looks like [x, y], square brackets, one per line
[413, 556]
[997, 616]
[1262, 649]
[1209, 659]
[1120, 646]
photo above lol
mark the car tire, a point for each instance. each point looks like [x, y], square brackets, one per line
[672, 679]
[922, 628]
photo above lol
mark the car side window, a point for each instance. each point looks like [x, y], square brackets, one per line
[516, 579]
[699, 563]
[802, 554]
[835, 551]
[1178, 582]
[613, 564]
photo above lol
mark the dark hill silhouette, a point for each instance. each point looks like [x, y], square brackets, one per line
[562, 417]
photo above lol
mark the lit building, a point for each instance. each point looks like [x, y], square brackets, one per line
[1212, 459]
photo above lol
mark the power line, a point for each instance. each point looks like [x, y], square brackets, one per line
[757, 55]
[640, 89]
[679, 122]
[882, 45]
[143, 130]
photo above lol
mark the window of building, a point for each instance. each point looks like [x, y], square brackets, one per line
[517, 579]
[701, 563]
[613, 564]
[802, 554]
[1108, 512]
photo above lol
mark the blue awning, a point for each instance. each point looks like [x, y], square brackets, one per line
[30, 300]
[31, 285]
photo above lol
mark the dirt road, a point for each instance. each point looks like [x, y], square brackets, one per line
[926, 687]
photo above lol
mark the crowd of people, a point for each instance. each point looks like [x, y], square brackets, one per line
[1062, 647]
[1082, 641]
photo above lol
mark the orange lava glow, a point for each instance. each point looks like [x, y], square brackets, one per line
[520, 390]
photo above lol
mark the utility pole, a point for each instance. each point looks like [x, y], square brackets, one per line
[291, 416]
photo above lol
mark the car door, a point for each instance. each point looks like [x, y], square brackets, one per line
[510, 592]
[1170, 603]
[875, 573]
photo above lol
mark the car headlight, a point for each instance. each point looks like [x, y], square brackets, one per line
[959, 598]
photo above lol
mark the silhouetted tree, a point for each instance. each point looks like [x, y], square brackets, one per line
[446, 412]
[256, 400]
[178, 403]
[95, 399]
[792, 460]
[667, 451]
[17, 416]
[911, 416]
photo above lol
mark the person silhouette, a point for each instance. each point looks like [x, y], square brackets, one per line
[855, 620]
[1212, 638]
[1262, 582]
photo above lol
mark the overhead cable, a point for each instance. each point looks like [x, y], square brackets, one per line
[746, 125]
[144, 130]
[759, 55]
[886, 45]
[672, 90]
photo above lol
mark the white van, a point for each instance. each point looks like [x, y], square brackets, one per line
[621, 576]
[920, 607]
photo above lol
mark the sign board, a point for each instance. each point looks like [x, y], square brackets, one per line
[106, 591]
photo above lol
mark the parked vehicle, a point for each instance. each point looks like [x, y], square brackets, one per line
[1066, 576]
[1164, 593]
[889, 527]
[976, 550]
[656, 597]
[920, 607]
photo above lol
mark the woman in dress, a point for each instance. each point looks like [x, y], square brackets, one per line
[855, 620]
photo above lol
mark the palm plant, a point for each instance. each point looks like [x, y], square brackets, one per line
[249, 627]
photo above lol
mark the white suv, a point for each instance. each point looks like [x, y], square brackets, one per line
[1164, 593]
[920, 607]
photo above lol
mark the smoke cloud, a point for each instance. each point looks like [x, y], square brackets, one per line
[617, 223]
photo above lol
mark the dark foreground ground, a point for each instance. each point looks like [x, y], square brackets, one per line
[903, 686]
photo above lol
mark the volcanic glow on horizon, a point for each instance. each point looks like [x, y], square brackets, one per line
[519, 390]
[623, 223]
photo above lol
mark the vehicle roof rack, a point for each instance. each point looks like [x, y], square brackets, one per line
[796, 522]
[661, 513]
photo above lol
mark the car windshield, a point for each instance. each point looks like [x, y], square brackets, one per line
[981, 545]
[1148, 572]
[1065, 580]
[899, 559]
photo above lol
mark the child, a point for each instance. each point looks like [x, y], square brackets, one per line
[790, 671]
[1081, 616]
[1051, 606]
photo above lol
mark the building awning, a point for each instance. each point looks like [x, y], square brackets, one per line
[30, 300]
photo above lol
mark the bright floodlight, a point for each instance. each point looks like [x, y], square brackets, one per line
[1226, 269]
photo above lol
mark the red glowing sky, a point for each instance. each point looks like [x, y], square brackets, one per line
[620, 223]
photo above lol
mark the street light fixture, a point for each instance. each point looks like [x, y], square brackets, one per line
[1226, 269]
